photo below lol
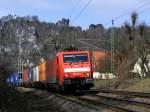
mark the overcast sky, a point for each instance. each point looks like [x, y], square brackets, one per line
[97, 12]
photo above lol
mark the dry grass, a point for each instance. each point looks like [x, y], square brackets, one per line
[137, 85]
[140, 86]
[104, 84]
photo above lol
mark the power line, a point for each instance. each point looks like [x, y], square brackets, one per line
[74, 8]
[129, 12]
[93, 40]
[82, 10]
[144, 10]
[90, 45]
[136, 7]
[141, 12]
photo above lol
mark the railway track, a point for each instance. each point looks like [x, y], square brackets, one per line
[78, 101]
[124, 100]
[95, 104]
[134, 94]
[105, 105]
[138, 99]
[99, 102]
[111, 102]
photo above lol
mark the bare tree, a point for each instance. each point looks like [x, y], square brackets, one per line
[130, 29]
[5, 69]
[127, 62]
[138, 46]
[142, 48]
[134, 17]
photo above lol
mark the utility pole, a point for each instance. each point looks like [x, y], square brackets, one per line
[112, 49]
[19, 34]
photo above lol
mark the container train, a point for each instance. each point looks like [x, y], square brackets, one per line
[68, 70]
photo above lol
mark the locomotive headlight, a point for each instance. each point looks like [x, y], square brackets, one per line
[87, 74]
[66, 75]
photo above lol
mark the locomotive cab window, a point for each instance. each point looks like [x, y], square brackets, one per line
[81, 58]
[69, 58]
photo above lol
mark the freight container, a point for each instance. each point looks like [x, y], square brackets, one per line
[35, 74]
[52, 71]
[42, 71]
[14, 79]
[30, 74]
[25, 75]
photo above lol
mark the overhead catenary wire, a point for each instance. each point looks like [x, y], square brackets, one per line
[71, 13]
[144, 10]
[90, 45]
[141, 12]
[74, 9]
[93, 40]
[128, 12]
[76, 17]
[135, 7]
[81, 11]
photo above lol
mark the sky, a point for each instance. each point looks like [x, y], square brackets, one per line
[96, 12]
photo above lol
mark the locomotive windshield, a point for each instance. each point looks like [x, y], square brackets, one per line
[69, 58]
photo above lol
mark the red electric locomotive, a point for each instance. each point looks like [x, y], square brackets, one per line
[70, 70]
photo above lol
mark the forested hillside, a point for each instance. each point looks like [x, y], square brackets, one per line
[35, 38]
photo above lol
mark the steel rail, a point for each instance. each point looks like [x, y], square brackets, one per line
[75, 100]
[93, 103]
[123, 100]
[135, 94]
[108, 105]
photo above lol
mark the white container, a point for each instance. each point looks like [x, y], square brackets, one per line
[98, 75]
[36, 74]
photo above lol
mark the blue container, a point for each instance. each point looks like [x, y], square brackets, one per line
[14, 78]
[30, 74]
